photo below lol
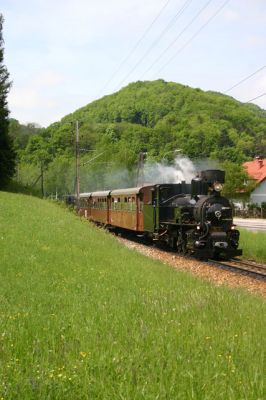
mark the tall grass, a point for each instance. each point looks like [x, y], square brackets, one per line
[253, 245]
[82, 317]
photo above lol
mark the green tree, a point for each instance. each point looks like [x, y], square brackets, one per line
[7, 153]
[156, 117]
[21, 134]
[236, 179]
[37, 153]
[60, 176]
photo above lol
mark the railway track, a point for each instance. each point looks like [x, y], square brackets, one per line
[246, 267]
[240, 276]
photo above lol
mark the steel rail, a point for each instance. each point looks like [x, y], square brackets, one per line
[242, 266]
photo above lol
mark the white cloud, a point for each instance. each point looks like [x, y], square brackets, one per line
[23, 98]
[36, 99]
[34, 90]
[47, 78]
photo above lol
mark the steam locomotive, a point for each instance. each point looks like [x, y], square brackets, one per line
[191, 217]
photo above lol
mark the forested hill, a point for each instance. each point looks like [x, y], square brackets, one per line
[157, 117]
[202, 124]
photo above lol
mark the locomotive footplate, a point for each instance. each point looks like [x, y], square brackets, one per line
[175, 224]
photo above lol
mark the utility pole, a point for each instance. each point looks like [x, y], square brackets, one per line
[77, 164]
[140, 170]
[42, 185]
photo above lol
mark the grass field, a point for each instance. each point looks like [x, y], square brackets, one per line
[82, 317]
[253, 245]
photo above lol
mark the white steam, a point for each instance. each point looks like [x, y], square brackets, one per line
[182, 170]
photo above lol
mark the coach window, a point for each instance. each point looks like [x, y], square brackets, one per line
[133, 205]
[115, 203]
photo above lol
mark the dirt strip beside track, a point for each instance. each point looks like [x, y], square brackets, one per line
[199, 268]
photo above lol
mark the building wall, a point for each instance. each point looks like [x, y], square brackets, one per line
[258, 195]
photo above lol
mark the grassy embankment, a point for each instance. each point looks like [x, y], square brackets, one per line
[253, 245]
[82, 317]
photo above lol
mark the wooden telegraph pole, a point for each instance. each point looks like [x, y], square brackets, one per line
[140, 170]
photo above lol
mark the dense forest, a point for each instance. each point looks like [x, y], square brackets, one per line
[156, 117]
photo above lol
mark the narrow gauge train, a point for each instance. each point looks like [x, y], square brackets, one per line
[191, 218]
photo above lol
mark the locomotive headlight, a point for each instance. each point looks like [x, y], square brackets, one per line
[217, 187]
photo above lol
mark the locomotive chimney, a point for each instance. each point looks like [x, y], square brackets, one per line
[260, 161]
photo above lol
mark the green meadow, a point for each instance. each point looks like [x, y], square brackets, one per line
[253, 245]
[82, 317]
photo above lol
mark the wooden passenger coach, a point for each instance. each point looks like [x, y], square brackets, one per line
[123, 208]
[127, 207]
[84, 204]
[99, 207]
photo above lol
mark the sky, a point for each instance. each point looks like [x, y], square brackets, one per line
[64, 54]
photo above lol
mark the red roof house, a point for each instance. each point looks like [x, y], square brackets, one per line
[256, 169]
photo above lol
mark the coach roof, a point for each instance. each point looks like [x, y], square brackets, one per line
[84, 195]
[128, 191]
[103, 193]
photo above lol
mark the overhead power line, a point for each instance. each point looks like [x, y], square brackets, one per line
[169, 25]
[178, 36]
[245, 79]
[135, 47]
[255, 98]
[194, 36]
